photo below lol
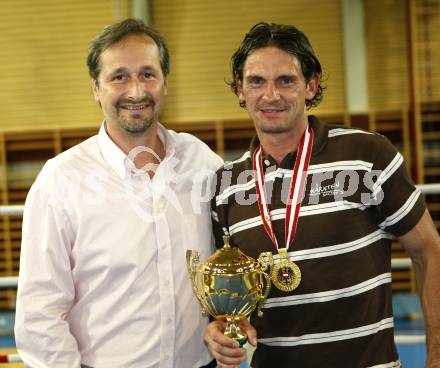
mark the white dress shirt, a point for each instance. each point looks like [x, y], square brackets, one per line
[103, 279]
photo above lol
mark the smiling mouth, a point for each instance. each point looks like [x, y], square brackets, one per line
[136, 107]
[272, 111]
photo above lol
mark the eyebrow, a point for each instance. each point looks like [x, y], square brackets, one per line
[293, 76]
[250, 76]
[148, 68]
[118, 70]
[124, 69]
[254, 76]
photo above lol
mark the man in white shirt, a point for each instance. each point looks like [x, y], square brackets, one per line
[107, 223]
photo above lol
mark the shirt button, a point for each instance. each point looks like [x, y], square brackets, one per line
[167, 356]
[158, 208]
[166, 283]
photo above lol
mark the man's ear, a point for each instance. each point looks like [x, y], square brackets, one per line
[239, 89]
[165, 85]
[95, 89]
[312, 87]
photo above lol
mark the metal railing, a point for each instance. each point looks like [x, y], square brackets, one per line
[396, 263]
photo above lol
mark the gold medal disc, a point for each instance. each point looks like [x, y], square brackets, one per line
[286, 275]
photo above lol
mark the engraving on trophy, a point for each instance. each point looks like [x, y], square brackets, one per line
[230, 284]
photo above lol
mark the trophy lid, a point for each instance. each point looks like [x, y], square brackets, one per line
[229, 261]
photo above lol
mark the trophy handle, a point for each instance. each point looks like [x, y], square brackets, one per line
[192, 264]
[266, 262]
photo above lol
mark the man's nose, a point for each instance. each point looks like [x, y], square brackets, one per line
[135, 89]
[271, 92]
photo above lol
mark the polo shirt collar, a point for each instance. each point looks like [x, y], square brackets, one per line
[319, 142]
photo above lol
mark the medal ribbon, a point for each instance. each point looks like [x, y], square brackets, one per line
[295, 192]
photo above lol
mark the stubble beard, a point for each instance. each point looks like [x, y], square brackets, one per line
[281, 126]
[275, 129]
[140, 126]
[276, 126]
[136, 123]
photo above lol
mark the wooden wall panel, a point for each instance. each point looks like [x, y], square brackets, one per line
[385, 32]
[44, 47]
[428, 47]
[202, 36]
[386, 27]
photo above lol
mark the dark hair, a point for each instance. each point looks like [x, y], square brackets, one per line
[286, 38]
[118, 31]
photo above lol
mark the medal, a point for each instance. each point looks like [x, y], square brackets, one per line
[286, 274]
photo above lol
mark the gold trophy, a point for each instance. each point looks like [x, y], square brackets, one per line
[230, 284]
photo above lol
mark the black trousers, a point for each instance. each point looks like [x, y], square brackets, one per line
[212, 364]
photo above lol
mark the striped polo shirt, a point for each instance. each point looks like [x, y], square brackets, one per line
[357, 193]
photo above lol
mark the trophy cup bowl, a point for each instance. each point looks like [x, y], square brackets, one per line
[230, 284]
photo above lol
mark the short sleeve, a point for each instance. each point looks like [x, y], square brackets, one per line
[400, 205]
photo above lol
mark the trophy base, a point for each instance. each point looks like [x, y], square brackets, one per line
[234, 332]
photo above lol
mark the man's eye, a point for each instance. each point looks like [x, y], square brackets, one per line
[285, 81]
[256, 81]
[118, 77]
[148, 75]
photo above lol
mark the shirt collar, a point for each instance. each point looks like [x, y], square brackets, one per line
[117, 159]
[320, 139]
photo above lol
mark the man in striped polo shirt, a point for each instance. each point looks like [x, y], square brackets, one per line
[325, 200]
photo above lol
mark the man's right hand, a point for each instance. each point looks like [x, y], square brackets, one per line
[225, 350]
